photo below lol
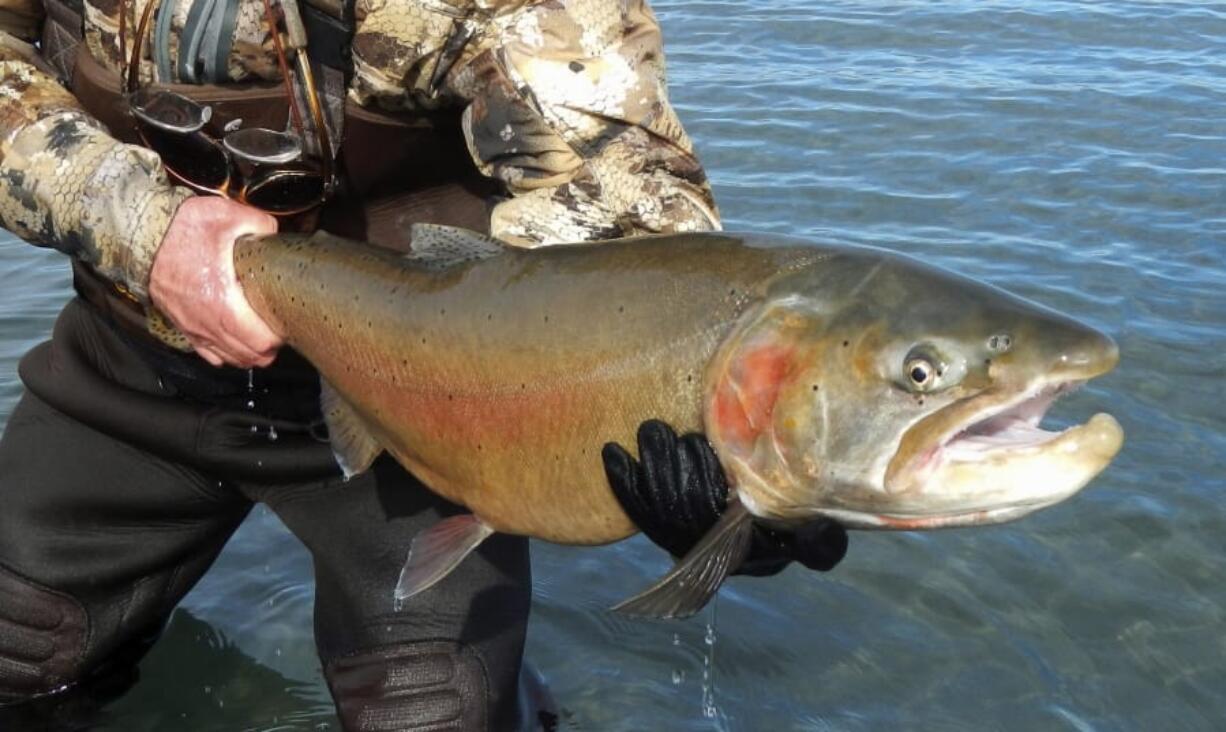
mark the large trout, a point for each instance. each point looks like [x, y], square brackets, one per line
[847, 382]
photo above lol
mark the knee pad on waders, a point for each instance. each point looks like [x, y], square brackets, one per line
[42, 638]
[425, 685]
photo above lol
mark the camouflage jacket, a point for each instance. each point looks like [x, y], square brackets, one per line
[564, 101]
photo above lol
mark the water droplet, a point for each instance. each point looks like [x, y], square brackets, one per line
[208, 690]
[250, 379]
[272, 434]
[709, 638]
[678, 676]
[251, 404]
[254, 429]
[676, 639]
[278, 652]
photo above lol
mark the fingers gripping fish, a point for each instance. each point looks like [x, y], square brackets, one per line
[847, 382]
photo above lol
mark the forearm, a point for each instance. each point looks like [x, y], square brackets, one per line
[565, 104]
[572, 114]
[65, 183]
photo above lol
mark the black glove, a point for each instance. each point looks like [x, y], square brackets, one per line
[678, 491]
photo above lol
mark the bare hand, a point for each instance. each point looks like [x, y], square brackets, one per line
[193, 282]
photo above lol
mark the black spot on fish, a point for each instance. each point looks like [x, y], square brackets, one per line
[621, 308]
[546, 318]
[815, 387]
[575, 66]
[846, 344]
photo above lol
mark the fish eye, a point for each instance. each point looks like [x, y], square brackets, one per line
[920, 372]
[923, 368]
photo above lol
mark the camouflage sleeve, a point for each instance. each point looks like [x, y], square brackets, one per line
[566, 104]
[67, 184]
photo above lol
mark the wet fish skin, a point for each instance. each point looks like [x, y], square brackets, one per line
[497, 374]
[498, 381]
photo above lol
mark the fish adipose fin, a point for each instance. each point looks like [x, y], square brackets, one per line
[438, 247]
[352, 444]
[438, 550]
[695, 579]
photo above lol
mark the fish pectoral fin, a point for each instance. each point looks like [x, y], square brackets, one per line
[696, 578]
[352, 444]
[438, 247]
[438, 550]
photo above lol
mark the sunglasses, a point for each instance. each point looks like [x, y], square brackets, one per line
[263, 168]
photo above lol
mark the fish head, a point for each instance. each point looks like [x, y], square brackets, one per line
[888, 394]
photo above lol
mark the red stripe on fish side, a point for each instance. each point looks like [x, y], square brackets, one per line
[745, 396]
[503, 418]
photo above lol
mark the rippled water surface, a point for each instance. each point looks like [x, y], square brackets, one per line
[1072, 152]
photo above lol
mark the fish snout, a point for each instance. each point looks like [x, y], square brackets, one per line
[1093, 355]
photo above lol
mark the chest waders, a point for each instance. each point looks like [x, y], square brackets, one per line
[126, 466]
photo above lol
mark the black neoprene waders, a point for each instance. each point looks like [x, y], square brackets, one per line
[123, 472]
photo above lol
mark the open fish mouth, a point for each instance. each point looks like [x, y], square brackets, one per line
[1009, 427]
[996, 464]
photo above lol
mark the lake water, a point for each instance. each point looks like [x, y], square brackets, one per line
[1072, 152]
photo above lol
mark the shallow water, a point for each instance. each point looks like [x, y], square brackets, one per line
[1071, 152]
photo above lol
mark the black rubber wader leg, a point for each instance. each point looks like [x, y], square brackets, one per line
[99, 538]
[450, 659]
[98, 543]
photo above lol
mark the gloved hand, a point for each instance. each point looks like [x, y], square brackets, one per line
[676, 491]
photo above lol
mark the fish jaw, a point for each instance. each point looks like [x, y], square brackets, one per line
[1000, 466]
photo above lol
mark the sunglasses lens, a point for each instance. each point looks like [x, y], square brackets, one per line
[169, 111]
[263, 147]
[286, 191]
[194, 158]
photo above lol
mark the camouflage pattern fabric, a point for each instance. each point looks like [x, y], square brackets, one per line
[564, 102]
[65, 183]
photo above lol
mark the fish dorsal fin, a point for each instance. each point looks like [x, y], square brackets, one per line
[439, 247]
[352, 444]
[696, 578]
[438, 550]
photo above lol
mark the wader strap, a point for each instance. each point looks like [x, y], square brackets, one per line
[161, 40]
[329, 38]
[217, 41]
[62, 32]
[191, 38]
